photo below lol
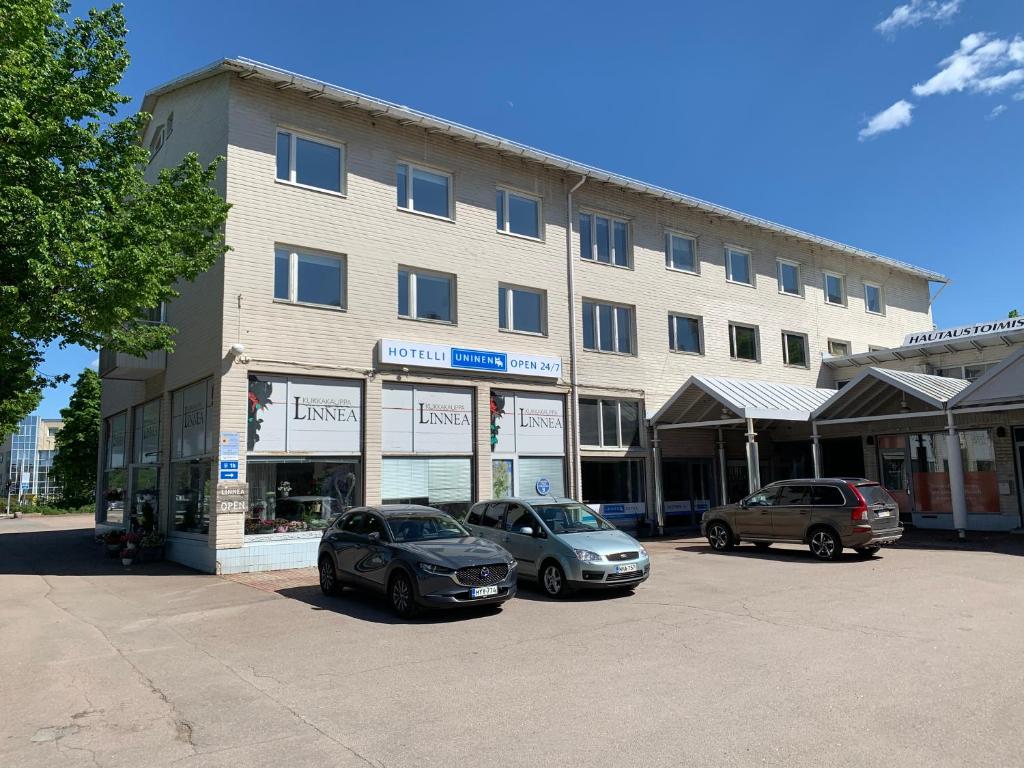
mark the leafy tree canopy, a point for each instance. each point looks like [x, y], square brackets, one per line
[74, 466]
[85, 240]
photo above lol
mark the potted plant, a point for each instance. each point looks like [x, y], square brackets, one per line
[113, 541]
[131, 541]
[151, 547]
[127, 555]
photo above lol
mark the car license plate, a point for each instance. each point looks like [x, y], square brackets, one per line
[628, 568]
[483, 591]
[883, 513]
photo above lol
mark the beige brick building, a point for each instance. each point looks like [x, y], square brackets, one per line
[412, 310]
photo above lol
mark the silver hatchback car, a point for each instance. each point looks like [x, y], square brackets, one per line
[565, 545]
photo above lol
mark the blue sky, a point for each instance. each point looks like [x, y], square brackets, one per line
[794, 111]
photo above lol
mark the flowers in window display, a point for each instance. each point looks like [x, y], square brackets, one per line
[284, 489]
[497, 411]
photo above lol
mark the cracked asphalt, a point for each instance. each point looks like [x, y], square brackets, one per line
[748, 659]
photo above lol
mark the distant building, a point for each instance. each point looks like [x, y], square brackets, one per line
[26, 457]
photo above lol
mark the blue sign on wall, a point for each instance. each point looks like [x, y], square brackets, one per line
[479, 360]
[542, 486]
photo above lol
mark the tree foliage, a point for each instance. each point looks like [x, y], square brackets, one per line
[85, 240]
[74, 466]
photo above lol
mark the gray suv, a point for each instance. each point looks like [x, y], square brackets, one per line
[827, 514]
[563, 544]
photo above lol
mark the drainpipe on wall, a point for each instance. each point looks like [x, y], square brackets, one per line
[577, 467]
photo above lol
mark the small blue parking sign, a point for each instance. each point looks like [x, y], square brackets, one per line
[542, 486]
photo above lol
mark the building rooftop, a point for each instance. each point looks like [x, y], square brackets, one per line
[318, 89]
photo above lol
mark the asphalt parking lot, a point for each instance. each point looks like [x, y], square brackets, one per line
[910, 659]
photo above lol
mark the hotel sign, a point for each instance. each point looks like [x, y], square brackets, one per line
[415, 354]
[965, 331]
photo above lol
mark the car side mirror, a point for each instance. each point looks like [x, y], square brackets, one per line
[526, 530]
[743, 504]
[374, 537]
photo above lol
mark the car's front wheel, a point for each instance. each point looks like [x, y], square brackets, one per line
[552, 580]
[825, 544]
[720, 537]
[329, 583]
[402, 596]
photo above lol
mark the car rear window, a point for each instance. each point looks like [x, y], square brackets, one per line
[875, 494]
[827, 496]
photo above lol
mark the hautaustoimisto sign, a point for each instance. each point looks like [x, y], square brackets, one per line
[964, 331]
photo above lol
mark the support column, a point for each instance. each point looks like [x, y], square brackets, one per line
[956, 478]
[659, 497]
[753, 458]
[723, 484]
[816, 449]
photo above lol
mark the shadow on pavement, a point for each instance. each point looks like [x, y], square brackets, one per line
[72, 552]
[785, 553]
[369, 606]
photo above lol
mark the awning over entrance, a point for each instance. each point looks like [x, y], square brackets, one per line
[1003, 383]
[709, 401]
[880, 392]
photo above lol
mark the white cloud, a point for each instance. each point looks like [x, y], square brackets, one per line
[997, 110]
[1018, 96]
[915, 12]
[981, 65]
[95, 363]
[891, 119]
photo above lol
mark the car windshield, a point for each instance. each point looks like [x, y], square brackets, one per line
[572, 518]
[425, 528]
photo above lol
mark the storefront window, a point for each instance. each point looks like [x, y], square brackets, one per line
[191, 422]
[930, 467]
[115, 484]
[190, 497]
[442, 483]
[145, 497]
[533, 470]
[613, 482]
[527, 443]
[146, 439]
[300, 494]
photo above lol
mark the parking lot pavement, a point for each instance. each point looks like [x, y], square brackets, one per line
[746, 659]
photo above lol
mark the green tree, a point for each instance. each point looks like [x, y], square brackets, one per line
[74, 466]
[1013, 313]
[85, 240]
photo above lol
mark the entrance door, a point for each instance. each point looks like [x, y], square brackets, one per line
[894, 470]
[1018, 439]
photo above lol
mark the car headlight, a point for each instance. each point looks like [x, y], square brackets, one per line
[511, 562]
[641, 552]
[587, 556]
[436, 570]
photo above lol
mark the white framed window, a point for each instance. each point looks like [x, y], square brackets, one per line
[608, 327]
[523, 310]
[518, 213]
[605, 240]
[967, 372]
[609, 423]
[424, 190]
[874, 303]
[876, 348]
[424, 295]
[794, 349]
[743, 342]
[686, 334]
[302, 277]
[838, 348]
[789, 278]
[738, 267]
[835, 289]
[681, 252]
[310, 162]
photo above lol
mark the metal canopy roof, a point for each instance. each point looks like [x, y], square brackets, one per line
[714, 398]
[925, 351]
[315, 89]
[881, 391]
[1002, 383]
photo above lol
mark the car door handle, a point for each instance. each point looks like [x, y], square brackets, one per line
[766, 512]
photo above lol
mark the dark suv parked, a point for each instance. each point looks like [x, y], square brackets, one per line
[827, 514]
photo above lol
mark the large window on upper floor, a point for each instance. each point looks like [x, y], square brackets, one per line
[873, 301]
[789, 278]
[608, 327]
[517, 213]
[424, 295]
[681, 252]
[309, 278]
[604, 239]
[310, 162]
[522, 309]
[743, 342]
[424, 190]
[794, 349]
[738, 267]
[609, 423]
[835, 289]
[838, 348]
[685, 334]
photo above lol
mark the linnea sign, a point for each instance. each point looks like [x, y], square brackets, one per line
[414, 353]
[965, 331]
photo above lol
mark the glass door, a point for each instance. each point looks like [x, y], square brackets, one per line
[894, 471]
